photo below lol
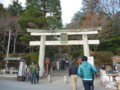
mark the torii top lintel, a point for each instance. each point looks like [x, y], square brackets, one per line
[38, 32]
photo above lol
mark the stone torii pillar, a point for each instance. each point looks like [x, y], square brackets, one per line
[85, 45]
[42, 54]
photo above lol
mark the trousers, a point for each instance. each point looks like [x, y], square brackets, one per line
[73, 79]
[33, 78]
[88, 84]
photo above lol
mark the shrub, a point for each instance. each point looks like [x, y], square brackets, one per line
[33, 57]
[2, 63]
[13, 55]
[117, 51]
[2, 55]
[103, 57]
[76, 53]
[29, 57]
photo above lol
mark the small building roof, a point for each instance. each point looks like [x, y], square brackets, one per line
[14, 59]
[116, 59]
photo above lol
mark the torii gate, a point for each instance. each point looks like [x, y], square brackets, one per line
[43, 33]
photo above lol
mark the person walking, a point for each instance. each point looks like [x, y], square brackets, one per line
[103, 67]
[62, 64]
[33, 71]
[58, 65]
[86, 71]
[73, 75]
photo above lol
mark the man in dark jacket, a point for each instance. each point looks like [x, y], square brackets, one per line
[86, 71]
[63, 64]
[73, 75]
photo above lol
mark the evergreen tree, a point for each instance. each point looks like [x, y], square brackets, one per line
[55, 9]
[40, 14]
[15, 9]
[51, 10]
[77, 20]
[2, 9]
[33, 4]
[32, 18]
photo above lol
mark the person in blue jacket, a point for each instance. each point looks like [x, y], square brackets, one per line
[86, 71]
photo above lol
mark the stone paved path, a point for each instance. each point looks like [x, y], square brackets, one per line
[56, 84]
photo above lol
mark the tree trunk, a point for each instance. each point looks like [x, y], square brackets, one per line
[3, 45]
[95, 47]
[14, 45]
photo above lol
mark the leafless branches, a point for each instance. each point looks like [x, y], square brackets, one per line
[7, 23]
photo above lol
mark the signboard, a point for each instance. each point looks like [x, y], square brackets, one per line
[91, 60]
[20, 73]
[22, 69]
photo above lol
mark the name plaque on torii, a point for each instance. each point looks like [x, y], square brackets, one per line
[63, 40]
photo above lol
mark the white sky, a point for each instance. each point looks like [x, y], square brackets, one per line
[69, 8]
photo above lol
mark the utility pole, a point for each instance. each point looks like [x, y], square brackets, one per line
[8, 47]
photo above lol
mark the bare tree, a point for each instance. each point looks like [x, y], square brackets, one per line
[110, 6]
[15, 30]
[3, 33]
[8, 23]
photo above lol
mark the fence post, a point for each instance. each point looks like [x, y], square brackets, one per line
[11, 71]
[49, 78]
[65, 79]
[4, 72]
